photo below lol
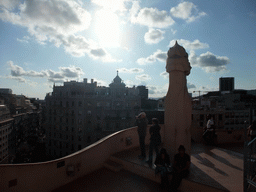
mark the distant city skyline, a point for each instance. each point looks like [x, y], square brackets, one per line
[46, 42]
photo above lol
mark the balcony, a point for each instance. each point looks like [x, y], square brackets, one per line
[212, 169]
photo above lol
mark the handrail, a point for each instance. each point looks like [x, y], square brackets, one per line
[251, 182]
[252, 141]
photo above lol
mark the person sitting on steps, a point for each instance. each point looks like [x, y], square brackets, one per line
[162, 163]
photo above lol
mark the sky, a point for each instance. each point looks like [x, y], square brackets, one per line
[44, 42]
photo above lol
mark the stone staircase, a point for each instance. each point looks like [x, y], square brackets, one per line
[138, 167]
[113, 165]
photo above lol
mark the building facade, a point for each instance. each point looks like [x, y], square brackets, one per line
[5, 130]
[226, 84]
[80, 113]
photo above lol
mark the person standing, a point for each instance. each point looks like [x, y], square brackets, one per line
[181, 167]
[142, 124]
[155, 140]
[209, 134]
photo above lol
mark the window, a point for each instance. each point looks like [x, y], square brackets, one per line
[67, 104]
[73, 103]
[220, 117]
[80, 103]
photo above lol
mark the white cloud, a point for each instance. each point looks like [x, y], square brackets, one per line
[58, 22]
[157, 91]
[173, 31]
[191, 86]
[154, 36]
[165, 75]
[24, 39]
[143, 77]
[196, 44]
[209, 62]
[187, 11]
[64, 73]
[19, 79]
[114, 5]
[158, 55]
[150, 17]
[131, 70]
[129, 83]
[9, 4]
[100, 82]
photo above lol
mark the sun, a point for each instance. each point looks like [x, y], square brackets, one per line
[107, 28]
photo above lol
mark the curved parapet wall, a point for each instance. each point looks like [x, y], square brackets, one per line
[46, 176]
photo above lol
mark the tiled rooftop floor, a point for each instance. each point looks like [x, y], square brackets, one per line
[212, 166]
[104, 180]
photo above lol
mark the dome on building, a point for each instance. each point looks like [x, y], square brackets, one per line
[177, 51]
[117, 79]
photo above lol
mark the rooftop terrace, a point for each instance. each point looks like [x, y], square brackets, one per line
[112, 164]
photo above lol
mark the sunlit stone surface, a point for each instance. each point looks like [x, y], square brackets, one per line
[178, 106]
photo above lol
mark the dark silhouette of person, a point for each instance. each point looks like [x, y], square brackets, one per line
[162, 163]
[142, 124]
[181, 167]
[155, 140]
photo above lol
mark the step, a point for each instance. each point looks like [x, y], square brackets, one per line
[113, 166]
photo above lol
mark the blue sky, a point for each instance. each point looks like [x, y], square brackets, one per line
[42, 42]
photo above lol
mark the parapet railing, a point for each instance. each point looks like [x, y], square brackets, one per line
[47, 176]
[249, 162]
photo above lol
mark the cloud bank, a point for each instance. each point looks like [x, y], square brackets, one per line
[57, 22]
[158, 55]
[64, 73]
[209, 62]
[150, 17]
[154, 36]
[187, 11]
